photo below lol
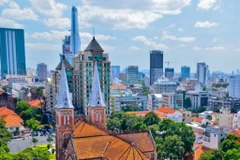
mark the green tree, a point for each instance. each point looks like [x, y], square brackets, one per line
[114, 124]
[215, 154]
[5, 135]
[232, 154]
[187, 103]
[22, 106]
[140, 126]
[27, 114]
[34, 140]
[228, 145]
[151, 118]
[174, 147]
[33, 124]
[3, 147]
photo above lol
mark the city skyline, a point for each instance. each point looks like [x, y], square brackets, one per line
[188, 32]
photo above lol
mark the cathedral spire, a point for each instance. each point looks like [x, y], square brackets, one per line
[96, 97]
[63, 96]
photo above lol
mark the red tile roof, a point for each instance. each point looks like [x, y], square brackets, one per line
[166, 110]
[236, 132]
[36, 103]
[118, 86]
[10, 117]
[197, 119]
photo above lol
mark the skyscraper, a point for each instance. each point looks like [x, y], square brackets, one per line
[185, 72]
[234, 87]
[169, 73]
[12, 51]
[156, 65]
[42, 71]
[202, 73]
[66, 49]
[75, 37]
[115, 70]
[132, 74]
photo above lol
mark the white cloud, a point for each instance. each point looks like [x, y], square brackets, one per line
[3, 2]
[174, 38]
[172, 25]
[15, 12]
[182, 45]
[214, 40]
[180, 29]
[4, 22]
[150, 43]
[237, 49]
[129, 14]
[196, 48]
[49, 8]
[59, 23]
[134, 48]
[216, 48]
[107, 48]
[205, 24]
[43, 46]
[59, 35]
[209, 4]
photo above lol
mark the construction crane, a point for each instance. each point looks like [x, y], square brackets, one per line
[168, 62]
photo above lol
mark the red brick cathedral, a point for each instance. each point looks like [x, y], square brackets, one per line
[88, 139]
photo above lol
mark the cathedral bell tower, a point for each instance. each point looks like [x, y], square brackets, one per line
[64, 115]
[96, 108]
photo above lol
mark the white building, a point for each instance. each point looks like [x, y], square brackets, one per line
[225, 118]
[163, 85]
[234, 87]
[212, 137]
[171, 114]
[202, 73]
[236, 121]
[154, 101]
[16, 79]
[172, 100]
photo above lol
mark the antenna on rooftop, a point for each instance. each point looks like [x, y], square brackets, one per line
[93, 31]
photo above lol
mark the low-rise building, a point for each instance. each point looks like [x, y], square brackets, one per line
[236, 121]
[225, 119]
[198, 98]
[212, 137]
[7, 100]
[172, 100]
[154, 101]
[187, 116]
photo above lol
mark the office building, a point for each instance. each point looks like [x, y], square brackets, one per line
[83, 65]
[132, 74]
[163, 85]
[75, 37]
[12, 52]
[202, 73]
[42, 71]
[234, 87]
[169, 73]
[172, 100]
[185, 72]
[198, 98]
[156, 65]
[115, 71]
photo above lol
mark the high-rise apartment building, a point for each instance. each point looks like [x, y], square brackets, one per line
[132, 74]
[156, 65]
[163, 85]
[185, 72]
[234, 87]
[169, 73]
[115, 71]
[202, 73]
[83, 65]
[42, 71]
[75, 37]
[12, 51]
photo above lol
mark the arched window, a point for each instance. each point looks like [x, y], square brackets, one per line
[100, 116]
[64, 119]
[97, 116]
[68, 118]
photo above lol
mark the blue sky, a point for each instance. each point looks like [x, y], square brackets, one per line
[188, 31]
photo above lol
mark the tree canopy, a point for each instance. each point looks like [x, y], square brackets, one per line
[5, 135]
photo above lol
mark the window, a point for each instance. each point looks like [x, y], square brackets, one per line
[97, 116]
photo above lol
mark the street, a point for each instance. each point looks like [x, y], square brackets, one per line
[19, 144]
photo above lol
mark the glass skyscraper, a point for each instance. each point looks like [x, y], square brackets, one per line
[75, 43]
[12, 52]
[156, 65]
[185, 72]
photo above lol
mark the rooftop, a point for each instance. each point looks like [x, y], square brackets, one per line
[10, 117]
[94, 46]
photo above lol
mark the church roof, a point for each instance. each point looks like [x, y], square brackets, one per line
[63, 96]
[98, 143]
[94, 46]
[96, 96]
[66, 63]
